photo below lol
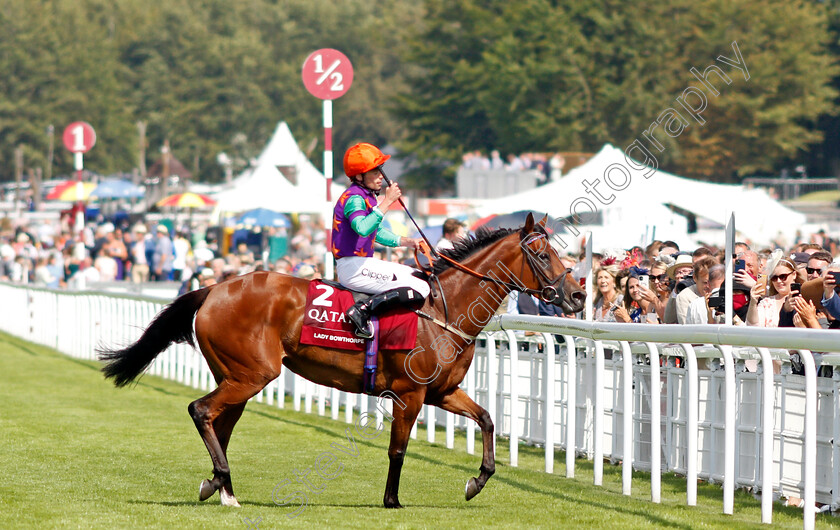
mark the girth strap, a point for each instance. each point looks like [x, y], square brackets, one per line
[371, 350]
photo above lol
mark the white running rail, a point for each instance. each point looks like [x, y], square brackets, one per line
[655, 398]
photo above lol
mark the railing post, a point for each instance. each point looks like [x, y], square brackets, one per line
[691, 427]
[548, 417]
[492, 384]
[598, 415]
[450, 430]
[430, 423]
[349, 403]
[322, 400]
[835, 446]
[297, 390]
[655, 425]
[335, 397]
[627, 417]
[309, 387]
[571, 404]
[768, 394]
[810, 478]
[513, 347]
[728, 430]
[471, 425]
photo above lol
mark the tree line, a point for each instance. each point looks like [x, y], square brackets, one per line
[434, 78]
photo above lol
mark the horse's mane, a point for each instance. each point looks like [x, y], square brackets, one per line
[467, 246]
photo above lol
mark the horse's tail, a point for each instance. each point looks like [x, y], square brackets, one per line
[173, 324]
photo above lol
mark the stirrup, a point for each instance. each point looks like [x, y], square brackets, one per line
[363, 325]
[365, 333]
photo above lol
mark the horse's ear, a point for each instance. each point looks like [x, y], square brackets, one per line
[529, 224]
[544, 221]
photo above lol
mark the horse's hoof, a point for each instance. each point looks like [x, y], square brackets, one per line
[472, 489]
[206, 490]
[393, 504]
[228, 499]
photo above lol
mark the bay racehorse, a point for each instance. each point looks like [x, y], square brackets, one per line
[248, 327]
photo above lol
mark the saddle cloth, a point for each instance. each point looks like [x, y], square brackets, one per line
[324, 323]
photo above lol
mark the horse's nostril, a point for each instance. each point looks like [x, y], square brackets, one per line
[579, 296]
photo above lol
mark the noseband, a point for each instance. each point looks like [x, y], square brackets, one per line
[550, 289]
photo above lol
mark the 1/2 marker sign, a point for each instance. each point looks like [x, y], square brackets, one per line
[79, 137]
[327, 73]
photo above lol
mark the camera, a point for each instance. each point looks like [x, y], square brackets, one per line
[739, 265]
[717, 303]
[644, 280]
[687, 281]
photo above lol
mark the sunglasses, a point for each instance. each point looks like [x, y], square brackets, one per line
[780, 277]
[662, 278]
[809, 270]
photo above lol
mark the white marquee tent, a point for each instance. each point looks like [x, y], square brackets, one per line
[629, 210]
[301, 189]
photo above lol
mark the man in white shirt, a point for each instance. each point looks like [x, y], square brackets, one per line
[453, 230]
[698, 309]
[140, 265]
[698, 290]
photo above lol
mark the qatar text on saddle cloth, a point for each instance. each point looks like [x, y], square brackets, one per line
[325, 325]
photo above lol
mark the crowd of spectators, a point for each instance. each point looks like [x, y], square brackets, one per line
[550, 167]
[660, 284]
[657, 284]
[48, 254]
[663, 285]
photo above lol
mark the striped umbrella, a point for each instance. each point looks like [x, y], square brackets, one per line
[186, 200]
[68, 191]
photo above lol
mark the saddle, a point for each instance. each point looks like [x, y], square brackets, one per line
[325, 325]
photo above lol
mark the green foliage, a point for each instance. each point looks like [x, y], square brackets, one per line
[208, 75]
[542, 75]
[437, 78]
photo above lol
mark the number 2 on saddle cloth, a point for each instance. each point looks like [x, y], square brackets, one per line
[325, 325]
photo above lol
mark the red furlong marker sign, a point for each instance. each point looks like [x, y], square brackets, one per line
[327, 74]
[79, 137]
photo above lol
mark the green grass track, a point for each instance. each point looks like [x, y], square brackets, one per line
[77, 453]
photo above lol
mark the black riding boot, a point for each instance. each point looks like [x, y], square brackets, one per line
[361, 312]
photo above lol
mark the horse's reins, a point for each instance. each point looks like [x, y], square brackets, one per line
[547, 291]
[426, 239]
[429, 249]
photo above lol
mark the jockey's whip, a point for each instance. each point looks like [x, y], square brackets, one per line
[426, 239]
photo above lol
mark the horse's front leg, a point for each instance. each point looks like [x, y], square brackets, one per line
[458, 402]
[405, 414]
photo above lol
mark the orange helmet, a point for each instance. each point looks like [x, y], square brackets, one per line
[361, 158]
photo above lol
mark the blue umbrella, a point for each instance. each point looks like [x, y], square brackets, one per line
[264, 217]
[116, 189]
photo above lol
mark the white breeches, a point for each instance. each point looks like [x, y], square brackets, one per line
[372, 276]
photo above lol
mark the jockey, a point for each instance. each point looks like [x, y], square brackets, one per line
[356, 219]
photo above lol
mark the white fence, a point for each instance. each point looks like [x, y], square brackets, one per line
[646, 391]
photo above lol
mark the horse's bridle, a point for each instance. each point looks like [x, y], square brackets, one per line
[548, 290]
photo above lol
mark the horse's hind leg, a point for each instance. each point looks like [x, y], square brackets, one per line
[214, 416]
[458, 402]
[223, 427]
